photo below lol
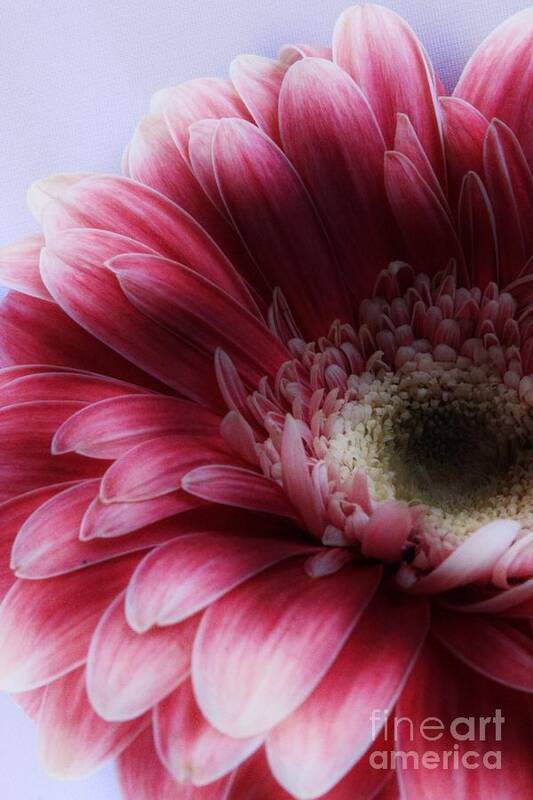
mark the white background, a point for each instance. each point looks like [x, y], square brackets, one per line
[74, 78]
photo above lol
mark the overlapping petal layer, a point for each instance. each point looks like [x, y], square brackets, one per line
[194, 581]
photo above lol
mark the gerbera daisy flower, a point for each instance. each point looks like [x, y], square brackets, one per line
[267, 428]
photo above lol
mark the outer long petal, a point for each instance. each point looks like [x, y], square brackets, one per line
[154, 159]
[128, 673]
[441, 687]
[320, 742]
[199, 312]
[107, 520]
[510, 185]
[143, 776]
[108, 429]
[33, 331]
[48, 543]
[191, 749]
[375, 46]
[46, 626]
[263, 648]
[13, 513]
[234, 486]
[26, 462]
[19, 266]
[258, 81]
[464, 133]
[498, 78]
[332, 137]
[92, 296]
[153, 468]
[73, 740]
[273, 213]
[202, 98]
[78, 386]
[129, 209]
[491, 647]
[426, 227]
[187, 575]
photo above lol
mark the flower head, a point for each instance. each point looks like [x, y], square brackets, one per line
[267, 417]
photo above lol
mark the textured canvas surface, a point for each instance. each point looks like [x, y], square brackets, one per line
[75, 77]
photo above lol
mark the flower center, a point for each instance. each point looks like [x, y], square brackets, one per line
[417, 417]
[457, 442]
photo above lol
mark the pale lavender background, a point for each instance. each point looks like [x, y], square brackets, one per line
[75, 77]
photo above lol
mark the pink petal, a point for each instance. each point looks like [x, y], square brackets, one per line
[105, 521]
[110, 428]
[258, 81]
[80, 386]
[200, 313]
[30, 702]
[143, 776]
[391, 791]
[491, 647]
[16, 371]
[141, 214]
[44, 190]
[185, 515]
[464, 133]
[73, 740]
[363, 781]
[497, 79]
[331, 136]
[157, 466]
[155, 160]
[290, 53]
[478, 233]
[127, 672]
[510, 185]
[48, 543]
[375, 46]
[254, 781]
[46, 626]
[33, 331]
[203, 98]
[26, 462]
[92, 296]
[186, 575]
[472, 561]
[19, 266]
[192, 750]
[201, 136]
[235, 486]
[407, 142]
[56, 517]
[273, 212]
[424, 222]
[263, 648]
[322, 740]
[124, 162]
[442, 688]
[13, 513]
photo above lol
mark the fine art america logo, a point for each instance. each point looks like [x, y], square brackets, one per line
[463, 742]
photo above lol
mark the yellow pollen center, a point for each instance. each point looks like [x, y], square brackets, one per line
[457, 442]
